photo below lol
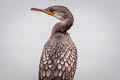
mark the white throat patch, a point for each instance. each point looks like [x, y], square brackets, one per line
[57, 16]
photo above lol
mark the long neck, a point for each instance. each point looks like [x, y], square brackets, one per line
[64, 25]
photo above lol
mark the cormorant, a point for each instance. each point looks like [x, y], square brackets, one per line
[59, 56]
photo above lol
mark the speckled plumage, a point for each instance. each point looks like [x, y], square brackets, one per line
[59, 56]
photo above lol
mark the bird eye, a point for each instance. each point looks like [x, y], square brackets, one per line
[51, 10]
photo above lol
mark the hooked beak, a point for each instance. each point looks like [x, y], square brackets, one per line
[44, 11]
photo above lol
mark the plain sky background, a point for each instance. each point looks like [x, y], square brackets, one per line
[96, 33]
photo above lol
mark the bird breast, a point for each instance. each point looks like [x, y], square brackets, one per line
[59, 58]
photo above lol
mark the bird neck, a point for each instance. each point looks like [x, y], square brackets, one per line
[63, 26]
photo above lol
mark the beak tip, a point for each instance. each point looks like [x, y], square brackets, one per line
[32, 9]
[36, 9]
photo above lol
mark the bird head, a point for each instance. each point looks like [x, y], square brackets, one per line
[60, 12]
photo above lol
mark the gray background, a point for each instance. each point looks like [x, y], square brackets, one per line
[96, 33]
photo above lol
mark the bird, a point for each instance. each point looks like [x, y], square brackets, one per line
[59, 56]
